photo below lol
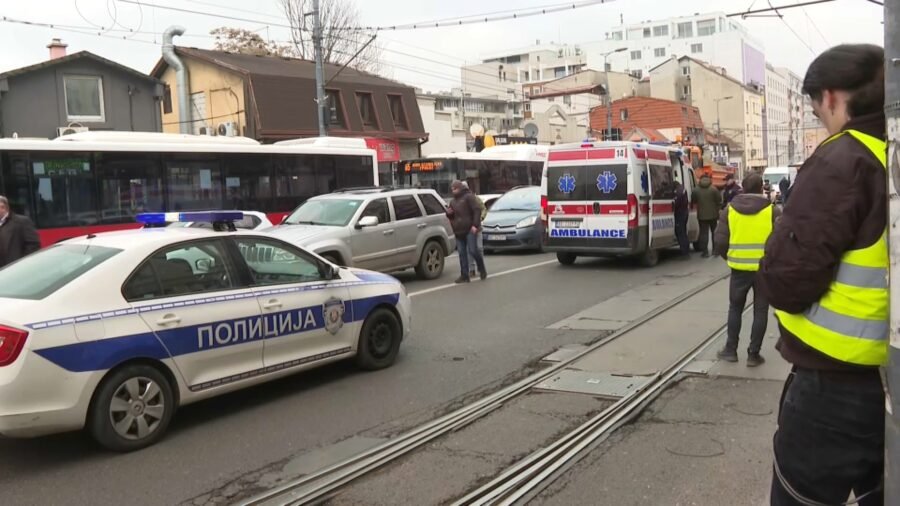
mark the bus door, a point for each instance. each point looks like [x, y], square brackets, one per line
[662, 192]
[587, 204]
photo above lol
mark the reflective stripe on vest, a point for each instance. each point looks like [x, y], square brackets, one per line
[850, 322]
[747, 238]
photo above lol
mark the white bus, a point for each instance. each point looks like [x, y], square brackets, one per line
[97, 181]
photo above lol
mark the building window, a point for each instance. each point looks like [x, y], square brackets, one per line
[624, 114]
[686, 71]
[638, 73]
[167, 99]
[706, 27]
[567, 99]
[335, 111]
[398, 113]
[661, 30]
[367, 110]
[696, 48]
[617, 36]
[635, 55]
[659, 52]
[84, 98]
[686, 90]
[684, 30]
[647, 32]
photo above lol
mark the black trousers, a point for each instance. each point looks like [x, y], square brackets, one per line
[707, 233]
[741, 283]
[681, 222]
[830, 438]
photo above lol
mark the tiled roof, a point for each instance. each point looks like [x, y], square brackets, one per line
[646, 112]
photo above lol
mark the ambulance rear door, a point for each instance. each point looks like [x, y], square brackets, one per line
[662, 194]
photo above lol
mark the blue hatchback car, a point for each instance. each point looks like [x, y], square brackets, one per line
[514, 221]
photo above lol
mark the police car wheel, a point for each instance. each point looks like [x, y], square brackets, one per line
[131, 409]
[379, 341]
[431, 263]
[566, 258]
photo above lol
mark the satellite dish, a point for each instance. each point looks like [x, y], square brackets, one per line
[531, 130]
[476, 130]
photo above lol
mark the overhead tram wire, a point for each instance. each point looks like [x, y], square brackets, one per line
[68, 28]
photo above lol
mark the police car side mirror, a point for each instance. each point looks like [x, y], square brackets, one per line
[367, 221]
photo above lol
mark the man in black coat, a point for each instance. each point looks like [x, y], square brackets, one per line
[18, 236]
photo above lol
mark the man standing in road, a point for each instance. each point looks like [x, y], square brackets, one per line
[465, 217]
[732, 190]
[825, 272]
[709, 203]
[744, 228]
[479, 237]
[681, 207]
[18, 236]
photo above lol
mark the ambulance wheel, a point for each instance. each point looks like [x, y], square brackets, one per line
[649, 258]
[566, 258]
[379, 340]
[131, 408]
[431, 263]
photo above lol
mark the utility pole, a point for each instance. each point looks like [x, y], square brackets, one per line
[892, 111]
[320, 66]
[609, 100]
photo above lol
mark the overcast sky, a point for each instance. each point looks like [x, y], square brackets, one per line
[817, 26]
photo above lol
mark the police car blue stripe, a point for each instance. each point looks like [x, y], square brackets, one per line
[107, 353]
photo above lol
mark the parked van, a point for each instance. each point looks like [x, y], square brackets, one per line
[772, 176]
[613, 199]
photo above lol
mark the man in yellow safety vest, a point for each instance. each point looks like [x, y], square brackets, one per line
[744, 227]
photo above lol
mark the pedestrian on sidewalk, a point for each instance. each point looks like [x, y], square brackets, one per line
[18, 236]
[709, 203]
[465, 218]
[682, 209]
[479, 237]
[732, 190]
[825, 272]
[744, 228]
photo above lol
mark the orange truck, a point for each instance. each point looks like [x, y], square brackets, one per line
[703, 165]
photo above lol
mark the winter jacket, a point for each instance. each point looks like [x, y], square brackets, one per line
[745, 203]
[838, 203]
[680, 204]
[18, 238]
[708, 200]
[466, 212]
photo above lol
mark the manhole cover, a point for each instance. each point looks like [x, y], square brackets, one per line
[606, 385]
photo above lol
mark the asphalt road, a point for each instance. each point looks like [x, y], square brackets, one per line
[466, 340]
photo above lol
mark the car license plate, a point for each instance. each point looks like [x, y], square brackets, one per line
[567, 223]
[496, 238]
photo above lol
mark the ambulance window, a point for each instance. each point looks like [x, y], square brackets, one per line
[565, 184]
[662, 182]
[606, 182]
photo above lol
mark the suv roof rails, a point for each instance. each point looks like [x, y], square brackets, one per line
[352, 189]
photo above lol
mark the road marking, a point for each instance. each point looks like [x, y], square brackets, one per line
[492, 276]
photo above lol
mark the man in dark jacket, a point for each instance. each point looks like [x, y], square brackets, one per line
[709, 203]
[732, 190]
[18, 236]
[744, 226]
[465, 217]
[682, 209]
[784, 187]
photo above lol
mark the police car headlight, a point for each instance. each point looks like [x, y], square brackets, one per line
[527, 222]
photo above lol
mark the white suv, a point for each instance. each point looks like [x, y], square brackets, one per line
[380, 229]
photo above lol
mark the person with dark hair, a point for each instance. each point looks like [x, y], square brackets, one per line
[18, 236]
[825, 272]
[732, 190]
[784, 187]
[709, 202]
[465, 218]
[682, 208]
[744, 226]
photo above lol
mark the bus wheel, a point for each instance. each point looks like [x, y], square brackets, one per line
[566, 258]
[649, 258]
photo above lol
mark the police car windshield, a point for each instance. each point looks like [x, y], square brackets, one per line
[523, 199]
[40, 274]
[325, 212]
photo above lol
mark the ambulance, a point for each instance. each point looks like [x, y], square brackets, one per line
[613, 199]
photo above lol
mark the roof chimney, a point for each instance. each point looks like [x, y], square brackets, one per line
[57, 48]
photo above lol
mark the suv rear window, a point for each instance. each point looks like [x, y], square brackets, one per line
[44, 272]
[432, 204]
[587, 183]
[406, 207]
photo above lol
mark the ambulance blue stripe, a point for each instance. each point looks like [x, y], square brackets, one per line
[107, 353]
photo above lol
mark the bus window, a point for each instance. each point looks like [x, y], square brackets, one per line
[65, 192]
[130, 183]
[248, 182]
[194, 182]
[348, 171]
[15, 184]
[295, 181]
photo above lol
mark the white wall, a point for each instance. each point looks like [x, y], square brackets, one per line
[442, 138]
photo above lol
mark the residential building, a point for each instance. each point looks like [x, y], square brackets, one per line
[447, 118]
[711, 37]
[76, 92]
[673, 120]
[502, 74]
[795, 116]
[777, 121]
[728, 107]
[271, 98]
[814, 133]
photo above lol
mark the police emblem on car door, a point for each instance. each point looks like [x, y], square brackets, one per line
[333, 312]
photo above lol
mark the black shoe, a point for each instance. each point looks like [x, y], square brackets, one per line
[728, 355]
[483, 276]
[705, 255]
[461, 279]
[755, 359]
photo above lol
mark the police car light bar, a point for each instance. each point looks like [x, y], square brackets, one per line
[200, 216]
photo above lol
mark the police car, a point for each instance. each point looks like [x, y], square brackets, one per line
[112, 332]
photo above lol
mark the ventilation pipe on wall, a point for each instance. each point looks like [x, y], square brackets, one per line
[181, 77]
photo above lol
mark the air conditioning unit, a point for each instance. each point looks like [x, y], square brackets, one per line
[66, 130]
[227, 129]
[206, 131]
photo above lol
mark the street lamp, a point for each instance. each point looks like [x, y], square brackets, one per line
[718, 120]
[608, 96]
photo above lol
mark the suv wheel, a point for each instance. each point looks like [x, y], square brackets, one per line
[431, 263]
[331, 257]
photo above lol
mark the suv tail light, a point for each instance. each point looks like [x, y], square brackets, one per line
[632, 211]
[11, 343]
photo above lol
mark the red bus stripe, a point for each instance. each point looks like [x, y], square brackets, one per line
[556, 156]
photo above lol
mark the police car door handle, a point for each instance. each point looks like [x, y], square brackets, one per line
[272, 304]
[168, 319]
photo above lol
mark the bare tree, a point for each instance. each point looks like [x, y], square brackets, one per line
[339, 40]
[239, 40]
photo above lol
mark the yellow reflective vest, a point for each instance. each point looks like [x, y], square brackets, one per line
[747, 238]
[850, 322]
